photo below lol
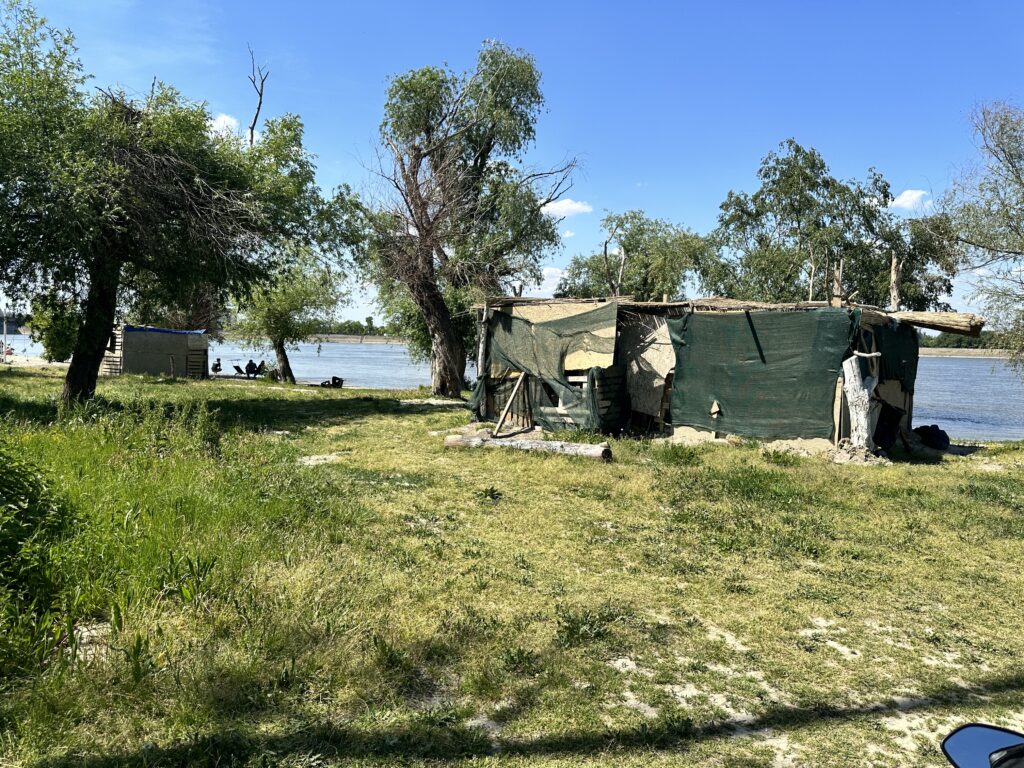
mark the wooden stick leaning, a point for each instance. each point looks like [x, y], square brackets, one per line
[508, 405]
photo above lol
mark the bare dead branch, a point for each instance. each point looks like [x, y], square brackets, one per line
[258, 78]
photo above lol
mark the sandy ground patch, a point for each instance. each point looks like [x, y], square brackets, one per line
[24, 361]
[727, 638]
[322, 458]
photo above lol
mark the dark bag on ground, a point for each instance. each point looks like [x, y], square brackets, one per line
[933, 437]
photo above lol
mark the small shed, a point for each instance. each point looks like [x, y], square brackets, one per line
[157, 351]
[771, 371]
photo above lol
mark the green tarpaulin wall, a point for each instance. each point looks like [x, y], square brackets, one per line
[540, 350]
[772, 373]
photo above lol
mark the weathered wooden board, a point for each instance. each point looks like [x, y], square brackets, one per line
[600, 452]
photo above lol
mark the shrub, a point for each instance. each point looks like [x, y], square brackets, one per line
[578, 625]
[32, 522]
[54, 324]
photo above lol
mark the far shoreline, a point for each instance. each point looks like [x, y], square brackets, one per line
[346, 338]
[957, 352]
[334, 338]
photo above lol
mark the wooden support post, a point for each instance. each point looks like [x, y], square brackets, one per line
[894, 282]
[837, 412]
[837, 285]
[481, 349]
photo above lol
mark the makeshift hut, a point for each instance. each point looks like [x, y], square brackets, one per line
[157, 351]
[770, 371]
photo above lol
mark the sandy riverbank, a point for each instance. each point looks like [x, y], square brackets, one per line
[24, 361]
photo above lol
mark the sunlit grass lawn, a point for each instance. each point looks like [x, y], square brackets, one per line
[400, 603]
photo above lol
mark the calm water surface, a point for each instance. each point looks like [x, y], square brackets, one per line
[379, 366]
[973, 398]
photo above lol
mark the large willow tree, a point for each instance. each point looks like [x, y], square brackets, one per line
[986, 204]
[461, 215]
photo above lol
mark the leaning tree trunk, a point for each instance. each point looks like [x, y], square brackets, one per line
[447, 354]
[284, 367]
[95, 330]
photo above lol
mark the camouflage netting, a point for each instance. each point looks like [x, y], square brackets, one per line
[766, 374]
[540, 349]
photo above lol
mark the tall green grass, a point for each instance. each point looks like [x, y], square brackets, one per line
[211, 600]
[33, 523]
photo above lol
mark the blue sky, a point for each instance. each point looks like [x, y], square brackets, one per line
[667, 105]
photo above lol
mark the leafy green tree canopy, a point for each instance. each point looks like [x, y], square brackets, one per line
[294, 308]
[105, 198]
[645, 258]
[462, 215]
[804, 235]
[986, 206]
[54, 324]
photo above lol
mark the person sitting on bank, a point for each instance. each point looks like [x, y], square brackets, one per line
[216, 367]
[261, 369]
[250, 369]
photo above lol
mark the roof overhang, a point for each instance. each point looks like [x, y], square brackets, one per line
[963, 323]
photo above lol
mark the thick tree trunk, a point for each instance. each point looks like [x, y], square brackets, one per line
[447, 355]
[284, 367]
[863, 409]
[95, 330]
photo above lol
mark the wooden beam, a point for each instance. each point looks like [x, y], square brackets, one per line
[599, 452]
[964, 323]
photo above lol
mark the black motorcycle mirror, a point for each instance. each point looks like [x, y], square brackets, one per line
[984, 746]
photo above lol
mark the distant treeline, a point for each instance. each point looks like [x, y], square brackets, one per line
[14, 322]
[987, 340]
[354, 328]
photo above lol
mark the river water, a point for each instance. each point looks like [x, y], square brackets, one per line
[972, 398]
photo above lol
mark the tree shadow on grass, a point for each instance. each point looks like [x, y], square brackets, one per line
[437, 736]
[287, 414]
[34, 411]
[252, 410]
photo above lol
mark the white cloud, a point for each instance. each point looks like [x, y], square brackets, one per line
[566, 207]
[911, 200]
[568, 233]
[224, 123]
[549, 282]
